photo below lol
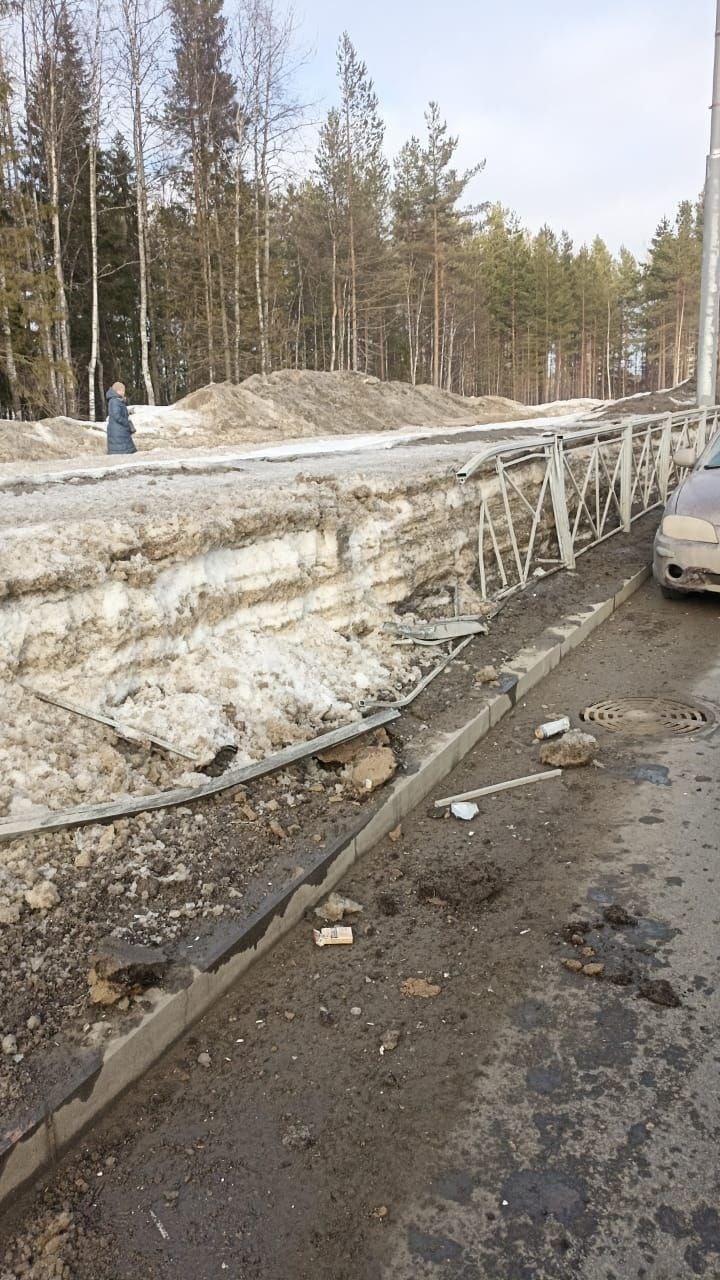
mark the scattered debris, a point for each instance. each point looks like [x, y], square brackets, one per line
[387, 904]
[593, 970]
[443, 629]
[121, 969]
[575, 966]
[465, 811]
[572, 751]
[390, 1040]
[204, 1059]
[356, 1011]
[298, 1138]
[335, 908]
[659, 991]
[337, 936]
[9, 1045]
[456, 801]
[618, 917]
[140, 736]
[163, 1230]
[420, 988]
[380, 1212]
[374, 768]
[43, 896]
[395, 834]
[552, 728]
[487, 675]
[399, 703]
[345, 752]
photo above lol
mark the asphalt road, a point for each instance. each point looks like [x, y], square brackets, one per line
[531, 1122]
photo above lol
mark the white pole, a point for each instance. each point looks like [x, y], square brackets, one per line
[710, 285]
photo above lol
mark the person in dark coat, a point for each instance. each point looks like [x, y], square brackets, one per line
[120, 430]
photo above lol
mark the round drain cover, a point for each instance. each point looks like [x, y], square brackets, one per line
[645, 715]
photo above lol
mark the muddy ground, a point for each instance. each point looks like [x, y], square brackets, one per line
[518, 1122]
[167, 879]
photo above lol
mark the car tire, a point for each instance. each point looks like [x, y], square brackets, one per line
[669, 593]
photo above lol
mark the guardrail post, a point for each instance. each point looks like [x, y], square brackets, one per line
[626, 467]
[664, 457]
[559, 501]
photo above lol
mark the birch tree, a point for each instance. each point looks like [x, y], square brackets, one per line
[272, 116]
[141, 36]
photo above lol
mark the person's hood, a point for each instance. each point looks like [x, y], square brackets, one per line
[112, 394]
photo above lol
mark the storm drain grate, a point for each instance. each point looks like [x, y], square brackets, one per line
[645, 715]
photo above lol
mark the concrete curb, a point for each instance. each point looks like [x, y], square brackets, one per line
[27, 1152]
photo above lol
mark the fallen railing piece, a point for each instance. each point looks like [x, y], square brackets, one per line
[84, 814]
[122, 730]
[438, 632]
[498, 786]
[426, 680]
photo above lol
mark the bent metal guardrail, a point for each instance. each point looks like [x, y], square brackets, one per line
[554, 496]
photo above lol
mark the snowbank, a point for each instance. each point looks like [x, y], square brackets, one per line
[288, 405]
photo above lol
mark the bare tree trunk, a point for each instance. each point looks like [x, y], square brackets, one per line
[94, 130]
[436, 303]
[63, 317]
[223, 300]
[351, 241]
[258, 273]
[134, 40]
[236, 289]
[333, 336]
[9, 354]
[142, 252]
[608, 369]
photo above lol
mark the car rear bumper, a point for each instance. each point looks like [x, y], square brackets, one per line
[686, 566]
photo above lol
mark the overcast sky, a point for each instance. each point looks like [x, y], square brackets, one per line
[592, 115]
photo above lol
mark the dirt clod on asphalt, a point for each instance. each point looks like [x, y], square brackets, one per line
[572, 751]
[660, 992]
[464, 888]
[618, 917]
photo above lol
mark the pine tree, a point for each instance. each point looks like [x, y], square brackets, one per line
[200, 113]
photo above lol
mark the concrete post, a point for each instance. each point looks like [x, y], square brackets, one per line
[710, 283]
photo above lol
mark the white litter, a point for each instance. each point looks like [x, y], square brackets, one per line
[465, 811]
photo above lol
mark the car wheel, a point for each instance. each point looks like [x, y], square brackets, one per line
[669, 593]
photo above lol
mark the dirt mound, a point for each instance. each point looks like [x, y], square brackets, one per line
[292, 403]
[287, 405]
[669, 400]
[51, 438]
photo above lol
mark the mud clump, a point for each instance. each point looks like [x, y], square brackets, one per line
[572, 751]
[120, 970]
[618, 917]
[659, 991]
[376, 767]
[465, 888]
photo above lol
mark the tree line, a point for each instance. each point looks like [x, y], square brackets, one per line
[163, 219]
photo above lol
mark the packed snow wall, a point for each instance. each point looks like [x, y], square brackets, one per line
[213, 611]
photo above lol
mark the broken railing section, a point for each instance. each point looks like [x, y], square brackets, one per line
[82, 815]
[556, 496]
